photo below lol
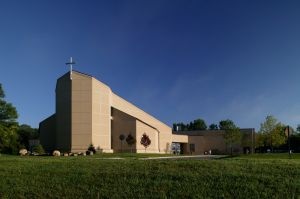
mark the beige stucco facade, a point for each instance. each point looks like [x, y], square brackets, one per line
[89, 112]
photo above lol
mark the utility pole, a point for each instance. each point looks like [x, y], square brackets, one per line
[252, 140]
[289, 141]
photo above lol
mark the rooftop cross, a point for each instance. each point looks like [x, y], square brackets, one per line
[71, 62]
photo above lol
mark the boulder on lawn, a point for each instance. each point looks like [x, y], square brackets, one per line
[56, 153]
[89, 153]
[23, 152]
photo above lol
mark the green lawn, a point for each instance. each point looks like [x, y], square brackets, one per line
[255, 176]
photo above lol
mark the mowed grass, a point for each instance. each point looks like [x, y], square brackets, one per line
[256, 176]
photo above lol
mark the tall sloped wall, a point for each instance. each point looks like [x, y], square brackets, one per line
[122, 124]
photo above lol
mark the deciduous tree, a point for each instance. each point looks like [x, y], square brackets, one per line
[145, 141]
[8, 125]
[226, 124]
[130, 141]
[232, 133]
[272, 132]
[199, 124]
[179, 126]
[26, 133]
[213, 127]
[8, 113]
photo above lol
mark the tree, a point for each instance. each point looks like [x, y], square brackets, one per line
[2, 95]
[8, 125]
[122, 137]
[145, 141]
[272, 133]
[298, 128]
[175, 128]
[232, 133]
[199, 124]
[190, 126]
[213, 127]
[226, 124]
[179, 127]
[295, 142]
[260, 140]
[92, 148]
[278, 136]
[26, 133]
[130, 141]
[9, 139]
[38, 149]
[8, 113]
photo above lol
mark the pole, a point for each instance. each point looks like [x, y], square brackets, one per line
[289, 142]
[251, 141]
[231, 142]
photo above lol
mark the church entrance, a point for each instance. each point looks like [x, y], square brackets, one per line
[179, 148]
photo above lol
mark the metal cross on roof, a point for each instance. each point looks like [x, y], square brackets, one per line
[70, 63]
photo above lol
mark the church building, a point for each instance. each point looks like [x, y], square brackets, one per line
[89, 112]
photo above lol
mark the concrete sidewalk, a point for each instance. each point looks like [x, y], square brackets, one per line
[204, 157]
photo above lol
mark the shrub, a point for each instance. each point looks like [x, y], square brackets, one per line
[38, 149]
[92, 148]
[216, 152]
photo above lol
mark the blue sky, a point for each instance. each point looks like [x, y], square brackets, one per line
[177, 60]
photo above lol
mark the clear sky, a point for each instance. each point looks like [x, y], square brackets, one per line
[177, 60]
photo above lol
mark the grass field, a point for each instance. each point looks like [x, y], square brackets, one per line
[253, 176]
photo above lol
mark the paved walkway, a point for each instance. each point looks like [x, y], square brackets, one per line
[203, 157]
[186, 157]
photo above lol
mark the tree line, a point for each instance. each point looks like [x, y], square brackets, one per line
[200, 124]
[12, 135]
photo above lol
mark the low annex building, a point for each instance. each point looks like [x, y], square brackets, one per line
[211, 142]
[89, 112]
